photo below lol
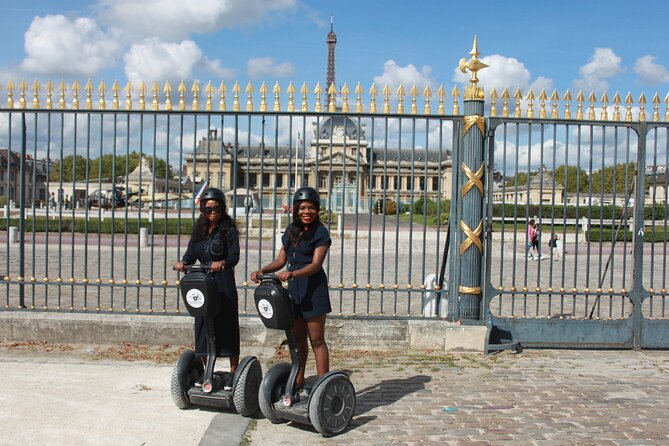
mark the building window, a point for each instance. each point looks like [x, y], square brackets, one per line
[279, 180]
[253, 180]
[435, 183]
[421, 183]
[265, 180]
[323, 183]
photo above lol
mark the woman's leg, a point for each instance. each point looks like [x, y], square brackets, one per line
[234, 362]
[300, 332]
[316, 329]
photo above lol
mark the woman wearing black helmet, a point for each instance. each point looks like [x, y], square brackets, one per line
[215, 240]
[305, 244]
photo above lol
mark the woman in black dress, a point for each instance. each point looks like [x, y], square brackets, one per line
[215, 240]
[305, 244]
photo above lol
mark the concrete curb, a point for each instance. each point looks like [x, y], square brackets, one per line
[351, 333]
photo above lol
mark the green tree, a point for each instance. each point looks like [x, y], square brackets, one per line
[575, 178]
[605, 177]
[70, 163]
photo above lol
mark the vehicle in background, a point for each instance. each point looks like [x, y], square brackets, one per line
[110, 198]
[242, 202]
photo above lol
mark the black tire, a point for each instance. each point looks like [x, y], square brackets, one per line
[187, 370]
[332, 404]
[271, 389]
[245, 394]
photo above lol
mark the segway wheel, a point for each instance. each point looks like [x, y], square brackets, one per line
[271, 390]
[245, 394]
[187, 370]
[332, 404]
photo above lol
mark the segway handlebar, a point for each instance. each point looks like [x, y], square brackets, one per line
[203, 267]
[268, 276]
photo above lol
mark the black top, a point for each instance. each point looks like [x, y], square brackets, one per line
[310, 292]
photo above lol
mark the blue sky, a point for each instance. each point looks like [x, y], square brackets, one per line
[590, 45]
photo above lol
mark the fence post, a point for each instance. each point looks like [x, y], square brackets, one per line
[470, 194]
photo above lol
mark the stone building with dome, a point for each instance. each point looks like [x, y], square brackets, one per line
[348, 171]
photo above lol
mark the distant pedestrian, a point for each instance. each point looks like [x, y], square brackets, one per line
[554, 244]
[536, 243]
[529, 251]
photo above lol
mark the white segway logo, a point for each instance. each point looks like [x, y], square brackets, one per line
[265, 309]
[195, 298]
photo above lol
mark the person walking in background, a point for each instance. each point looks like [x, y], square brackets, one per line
[536, 242]
[530, 239]
[554, 244]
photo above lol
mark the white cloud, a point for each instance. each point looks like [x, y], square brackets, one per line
[267, 66]
[394, 75]
[651, 72]
[154, 60]
[502, 72]
[177, 19]
[55, 44]
[604, 64]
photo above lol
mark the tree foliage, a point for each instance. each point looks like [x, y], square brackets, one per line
[107, 167]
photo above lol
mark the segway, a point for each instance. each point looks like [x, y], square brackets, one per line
[197, 287]
[330, 405]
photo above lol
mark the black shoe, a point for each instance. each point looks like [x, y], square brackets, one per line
[199, 381]
[227, 381]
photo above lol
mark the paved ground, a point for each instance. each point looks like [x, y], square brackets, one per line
[102, 395]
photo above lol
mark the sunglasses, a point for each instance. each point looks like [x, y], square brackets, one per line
[211, 210]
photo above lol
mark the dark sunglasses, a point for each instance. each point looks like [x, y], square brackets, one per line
[211, 210]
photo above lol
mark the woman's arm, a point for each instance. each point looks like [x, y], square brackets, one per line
[312, 268]
[276, 265]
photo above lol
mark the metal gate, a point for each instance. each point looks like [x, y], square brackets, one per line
[597, 192]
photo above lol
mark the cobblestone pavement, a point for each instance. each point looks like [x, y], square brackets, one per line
[537, 397]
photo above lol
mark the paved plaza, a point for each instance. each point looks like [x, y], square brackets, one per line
[103, 395]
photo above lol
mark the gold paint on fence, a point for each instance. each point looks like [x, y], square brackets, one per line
[472, 237]
[135, 98]
[474, 119]
[475, 179]
[469, 290]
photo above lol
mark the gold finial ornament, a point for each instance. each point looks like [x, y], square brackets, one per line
[317, 91]
[567, 100]
[142, 95]
[277, 97]
[555, 98]
[616, 107]
[413, 94]
[386, 99]
[604, 100]
[400, 99]
[22, 93]
[263, 97]
[209, 89]
[75, 95]
[344, 95]
[102, 89]
[36, 88]
[332, 107]
[49, 92]
[530, 102]
[493, 100]
[656, 108]
[155, 90]
[473, 91]
[89, 95]
[591, 110]
[223, 90]
[62, 88]
[182, 95]
[505, 103]
[666, 113]
[427, 94]
[195, 89]
[456, 105]
[236, 89]
[542, 107]
[579, 102]
[128, 96]
[115, 89]
[373, 93]
[358, 98]
[441, 94]
[291, 97]
[628, 111]
[305, 92]
[168, 93]
[642, 108]
[517, 96]
[10, 93]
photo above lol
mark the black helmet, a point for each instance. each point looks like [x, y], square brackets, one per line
[212, 193]
[307, 194]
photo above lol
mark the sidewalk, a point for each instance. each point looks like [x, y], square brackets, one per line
[542, 397]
